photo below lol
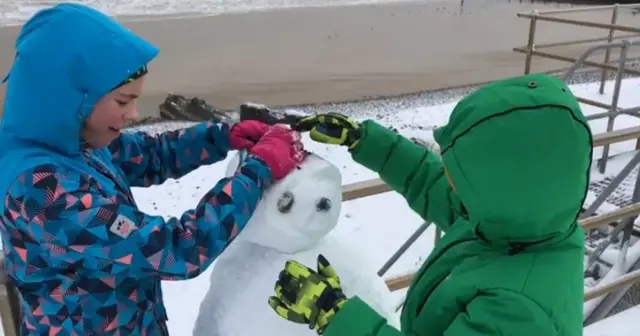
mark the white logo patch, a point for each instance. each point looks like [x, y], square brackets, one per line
[122, 226]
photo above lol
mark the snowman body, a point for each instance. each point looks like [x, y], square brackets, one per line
[293, 221]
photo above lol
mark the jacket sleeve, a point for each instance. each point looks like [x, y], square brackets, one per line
[71, 226]
[498, 312]
[356, 318]
[502, 312]
[411, 170]
[152, 159]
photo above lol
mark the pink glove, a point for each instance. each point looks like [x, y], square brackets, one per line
[280, 149]
[246, 134]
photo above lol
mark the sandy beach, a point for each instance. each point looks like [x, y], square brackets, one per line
[330, 54]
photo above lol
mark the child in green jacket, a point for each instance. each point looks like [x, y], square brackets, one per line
[507, 191]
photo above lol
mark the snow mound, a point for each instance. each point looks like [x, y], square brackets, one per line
[294, 221]
[298, 211]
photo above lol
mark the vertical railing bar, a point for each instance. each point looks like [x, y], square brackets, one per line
[607, 55]
[627, 227]
[597, 252]
[9, 303]
[531, 42]
[580, 61]
[405, 246]
[612, 186]
[437, 234]
[610, 299]
[609, 302]
[614, 102]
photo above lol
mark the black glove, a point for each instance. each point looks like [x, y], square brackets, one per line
[306, 296]
[331, 128]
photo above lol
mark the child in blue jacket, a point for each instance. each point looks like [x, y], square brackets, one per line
[84, 258]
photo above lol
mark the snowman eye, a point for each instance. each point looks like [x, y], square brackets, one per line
[323, 204]
[285, 202]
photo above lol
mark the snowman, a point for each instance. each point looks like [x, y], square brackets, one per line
[293, 221]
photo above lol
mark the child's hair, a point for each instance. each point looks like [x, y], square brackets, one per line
[139, 73]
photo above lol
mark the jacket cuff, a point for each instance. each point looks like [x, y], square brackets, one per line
[355, 318]
[375, 145]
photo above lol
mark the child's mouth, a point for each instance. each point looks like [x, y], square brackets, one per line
[113, 129]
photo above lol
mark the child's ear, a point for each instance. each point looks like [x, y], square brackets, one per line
[446, 173]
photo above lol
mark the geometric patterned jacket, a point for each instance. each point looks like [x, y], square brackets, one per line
[84, 258]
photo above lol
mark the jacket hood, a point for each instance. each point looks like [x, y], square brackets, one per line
[518, 152]
[67, 58]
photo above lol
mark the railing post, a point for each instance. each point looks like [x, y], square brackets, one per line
[531, 42]
[635, 197]
[612, 186]
[9, 305]
[613, 113]
[436, 236]
[607, 54]
[405, 246]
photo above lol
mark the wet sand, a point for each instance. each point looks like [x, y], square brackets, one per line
[314, 55]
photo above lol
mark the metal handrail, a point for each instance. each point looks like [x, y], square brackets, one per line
[587, 9]
[532, 49]
[9, 303]
[603, 140]
[377, 186]
[590, 223]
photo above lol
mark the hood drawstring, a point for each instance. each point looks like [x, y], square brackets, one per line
[515, 248]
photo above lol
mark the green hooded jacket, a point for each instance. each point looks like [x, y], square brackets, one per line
[518, 152]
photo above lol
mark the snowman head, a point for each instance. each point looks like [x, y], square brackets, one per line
[298, 211]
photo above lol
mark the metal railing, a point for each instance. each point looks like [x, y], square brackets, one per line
[377, 186]
[626, 215]
[612, 41]
[9, 303]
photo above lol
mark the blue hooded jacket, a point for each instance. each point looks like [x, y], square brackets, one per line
[85, 259]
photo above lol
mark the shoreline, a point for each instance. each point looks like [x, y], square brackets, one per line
[194, 14]
[389, 104]
[190, 15]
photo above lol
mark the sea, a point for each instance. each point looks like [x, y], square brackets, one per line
[14, 12]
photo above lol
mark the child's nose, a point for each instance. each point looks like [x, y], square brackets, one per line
[131, 114]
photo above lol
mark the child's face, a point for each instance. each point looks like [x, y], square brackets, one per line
[112, 113]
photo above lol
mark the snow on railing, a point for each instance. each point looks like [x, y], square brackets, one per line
[608, 42]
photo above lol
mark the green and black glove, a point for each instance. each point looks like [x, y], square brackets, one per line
[306, 296]
[331, 128]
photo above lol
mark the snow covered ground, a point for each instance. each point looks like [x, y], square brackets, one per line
[376, 225]
[621, 324]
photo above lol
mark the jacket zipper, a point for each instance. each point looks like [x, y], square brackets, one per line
[102, 169]
[162, 321]
[424, 270]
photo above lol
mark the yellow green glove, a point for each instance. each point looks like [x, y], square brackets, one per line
[306, 296]
[331, 128]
